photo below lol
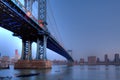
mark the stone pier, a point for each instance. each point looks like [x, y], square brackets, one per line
[33, 64]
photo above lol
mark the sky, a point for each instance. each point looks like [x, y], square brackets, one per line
[87, 27]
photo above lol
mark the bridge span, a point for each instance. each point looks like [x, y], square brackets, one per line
[15, 18]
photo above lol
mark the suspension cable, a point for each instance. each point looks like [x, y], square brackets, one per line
[52, 14]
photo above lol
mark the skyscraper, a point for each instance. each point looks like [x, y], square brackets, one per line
[116, 59]
[92, 60]
[16, 54]
[106, 58]
[81, 61]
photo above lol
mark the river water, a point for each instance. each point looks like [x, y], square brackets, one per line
[63, 72]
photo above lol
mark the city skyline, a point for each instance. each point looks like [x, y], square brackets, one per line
[105, 57]
[86, 27]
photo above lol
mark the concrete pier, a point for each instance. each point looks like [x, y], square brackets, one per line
[33, 64]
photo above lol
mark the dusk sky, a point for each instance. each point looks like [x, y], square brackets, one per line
[88, 27]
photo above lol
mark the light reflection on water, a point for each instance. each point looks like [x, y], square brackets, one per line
[62, 72]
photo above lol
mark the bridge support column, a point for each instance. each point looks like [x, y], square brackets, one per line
[26, 50]
[45, 47]
[41, 48]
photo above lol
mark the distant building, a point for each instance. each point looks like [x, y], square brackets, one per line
[106, 58]
[5, 58]
[4, 62]
[76, 62]
[16, 57]
[98, 60]
[59, 62]
[92, 60]
[116, 58]
[82, 61]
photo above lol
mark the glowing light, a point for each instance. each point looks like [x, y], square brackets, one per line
[41, 23]
[28, 13]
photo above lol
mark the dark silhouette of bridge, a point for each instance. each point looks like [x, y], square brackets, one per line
[18, 19]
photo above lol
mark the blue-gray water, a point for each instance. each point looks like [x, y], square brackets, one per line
[62, 72]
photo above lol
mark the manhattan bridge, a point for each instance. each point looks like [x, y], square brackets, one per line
[19, 19]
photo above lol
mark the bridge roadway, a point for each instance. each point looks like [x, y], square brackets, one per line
[15, 20]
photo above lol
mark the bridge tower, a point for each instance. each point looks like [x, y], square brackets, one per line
[42, 44]
[40, 62]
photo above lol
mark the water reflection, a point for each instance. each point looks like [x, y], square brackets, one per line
[62, 72]
[117, 72]
[92, 67]
[41, 76]
[107, 72]
[23, 71]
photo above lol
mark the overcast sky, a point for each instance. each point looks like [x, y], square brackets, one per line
[88, 27]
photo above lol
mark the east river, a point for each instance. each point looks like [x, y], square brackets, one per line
[63, 72]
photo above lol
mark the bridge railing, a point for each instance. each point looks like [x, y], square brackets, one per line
[28, 13]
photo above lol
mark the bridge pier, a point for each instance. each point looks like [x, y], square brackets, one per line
[26, 61]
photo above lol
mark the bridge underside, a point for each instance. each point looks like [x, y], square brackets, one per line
[15, 20]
